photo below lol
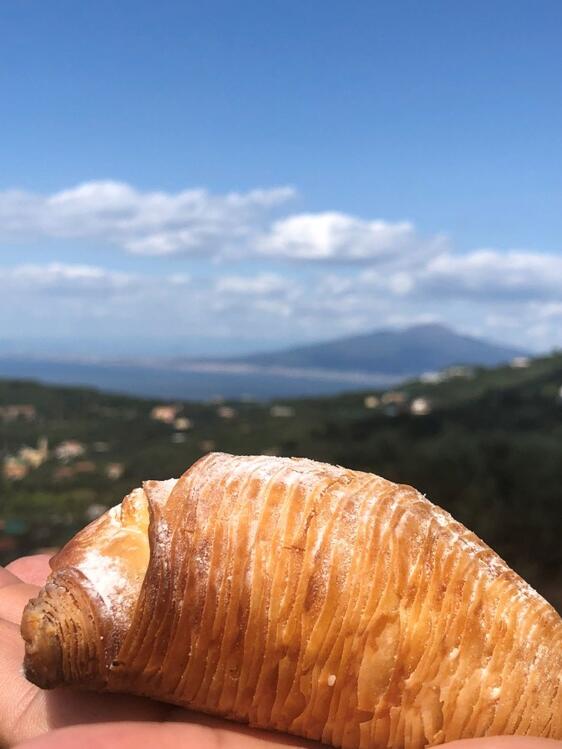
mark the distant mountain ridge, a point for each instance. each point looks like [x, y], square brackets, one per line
[409, 351]
[373, 360]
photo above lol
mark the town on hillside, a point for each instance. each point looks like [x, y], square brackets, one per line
[486, 444]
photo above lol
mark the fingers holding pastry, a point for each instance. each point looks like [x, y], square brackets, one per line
[31, 569]
[19, 581]
[504, 742]
[14, 594]
[164, 736]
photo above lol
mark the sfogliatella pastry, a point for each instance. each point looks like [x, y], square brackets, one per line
[302, 597]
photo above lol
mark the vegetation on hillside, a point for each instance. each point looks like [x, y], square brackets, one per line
[484, 444]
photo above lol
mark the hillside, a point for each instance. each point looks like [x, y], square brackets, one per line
[421, 348]
[484, 444]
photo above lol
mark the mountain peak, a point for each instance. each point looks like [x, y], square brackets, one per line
[430, 327]
[399, 352]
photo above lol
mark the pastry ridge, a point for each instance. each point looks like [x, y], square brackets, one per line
[303, 597]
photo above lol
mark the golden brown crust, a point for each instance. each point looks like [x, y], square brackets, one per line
[89, 598]
[320, 601]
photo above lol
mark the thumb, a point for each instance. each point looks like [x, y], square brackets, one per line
[130, 735]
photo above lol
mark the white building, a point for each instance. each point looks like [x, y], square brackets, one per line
[226, 412]
[69, 449]
[520, 362]
[35, 456]
[282, 412]
[420, 407]
[165, 413]
[371, 401]
[182, 424]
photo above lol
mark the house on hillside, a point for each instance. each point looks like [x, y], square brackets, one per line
[114, 471]
[69, 449]
[18, 411]
[182, 424]
[520, 362]
[396, 397]
[34, 456]
[394, 403]
[371, 401]
[13, 469]
[420, 407]
[460, 371]
[165, 413]
[432, 378]
[226, 412]
[282, 412]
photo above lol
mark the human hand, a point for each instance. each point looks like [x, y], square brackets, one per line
[59, 718]
[66, 718]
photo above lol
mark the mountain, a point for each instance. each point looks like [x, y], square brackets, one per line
[410, 351]
[378, 359]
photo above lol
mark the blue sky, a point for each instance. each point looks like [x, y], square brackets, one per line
[221, 176]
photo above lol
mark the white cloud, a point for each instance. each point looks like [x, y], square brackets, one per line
[262, 284]
[33, 278]
[493, 275]
[475, 292]
[360, 273]
[341, 237]
[90, 300]
[548, 311]
[152, 223]
[198, 222]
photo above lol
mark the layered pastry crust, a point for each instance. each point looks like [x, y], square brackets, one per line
[303, 597]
